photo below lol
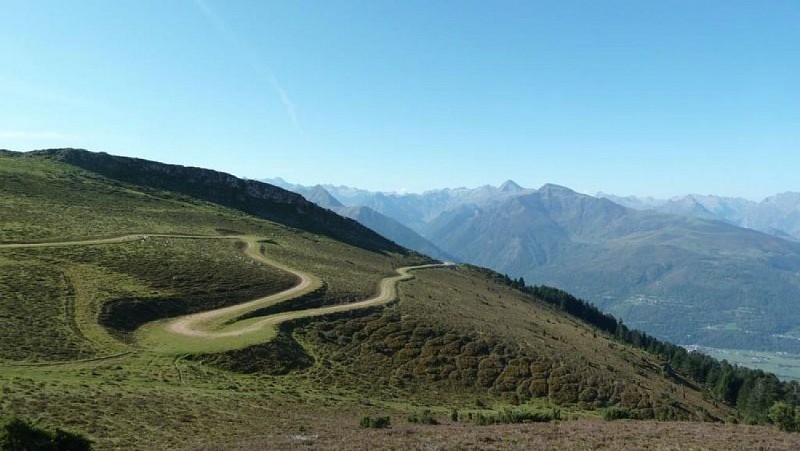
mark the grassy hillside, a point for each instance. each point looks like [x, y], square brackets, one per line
[458, 347]
[458, 333]
[175, 188]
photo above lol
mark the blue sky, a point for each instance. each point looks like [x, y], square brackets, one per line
[627, 97]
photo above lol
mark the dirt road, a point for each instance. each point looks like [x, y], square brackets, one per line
[220, 323]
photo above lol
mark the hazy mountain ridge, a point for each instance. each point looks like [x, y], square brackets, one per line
[384, 225]
[644, 267]
[777, 215]
[321, 197]
[394, 230]
[414, 210]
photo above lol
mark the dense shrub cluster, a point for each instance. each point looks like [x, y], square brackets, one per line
[20, 435]
[786, 417]
[424, 417]
[375, 423]
[390, 348]
[615, 413]
[509, 416]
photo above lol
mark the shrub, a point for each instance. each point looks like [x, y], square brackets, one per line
[483, 420]
[783, 416]
[375, 423]
[20, 435]
[425, 417]
[509, 416]
[69, 441]
[516, 416]
[17, 434]
[615, 413]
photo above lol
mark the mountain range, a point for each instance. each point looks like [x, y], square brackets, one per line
[102, 255]
[387, 226]
[777, 215]
[684, 270]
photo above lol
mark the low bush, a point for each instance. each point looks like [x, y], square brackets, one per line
[615, 413]
[375, 423]
[509, 416]
[20, 435]
[424, 417]
[783, 415]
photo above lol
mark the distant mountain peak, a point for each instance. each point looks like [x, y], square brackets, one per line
[787, 198]
[320, 196]
[551, 188]
[510, 186]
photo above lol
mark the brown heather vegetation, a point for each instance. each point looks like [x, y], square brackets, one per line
[570, 435]
[458, 334]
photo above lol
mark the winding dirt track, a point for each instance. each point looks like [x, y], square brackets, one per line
[219, 323]
[191, 325]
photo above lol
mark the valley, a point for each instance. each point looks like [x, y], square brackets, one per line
[403, 225]
[681, 277]
[784, 365]
[147, 313]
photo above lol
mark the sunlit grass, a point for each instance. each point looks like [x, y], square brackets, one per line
[72, 352]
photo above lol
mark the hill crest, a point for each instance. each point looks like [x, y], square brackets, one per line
[249, 196]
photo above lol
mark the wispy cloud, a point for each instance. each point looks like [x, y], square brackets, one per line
[252, 59]
[36, 135]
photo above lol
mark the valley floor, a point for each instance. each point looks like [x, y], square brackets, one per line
[784, 365]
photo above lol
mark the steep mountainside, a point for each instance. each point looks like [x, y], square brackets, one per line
[458, 340]
[394, 230]
[686, 279]
[321, 197]
[780, 212]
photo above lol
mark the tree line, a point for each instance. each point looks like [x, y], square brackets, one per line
[753, 392]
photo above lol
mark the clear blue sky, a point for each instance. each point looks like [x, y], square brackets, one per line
[627, 97]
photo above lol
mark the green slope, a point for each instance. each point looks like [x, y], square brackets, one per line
[456, 338]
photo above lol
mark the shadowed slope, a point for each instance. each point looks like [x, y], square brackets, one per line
[252, 197]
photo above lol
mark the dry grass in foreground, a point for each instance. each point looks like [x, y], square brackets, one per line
[568, 435]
